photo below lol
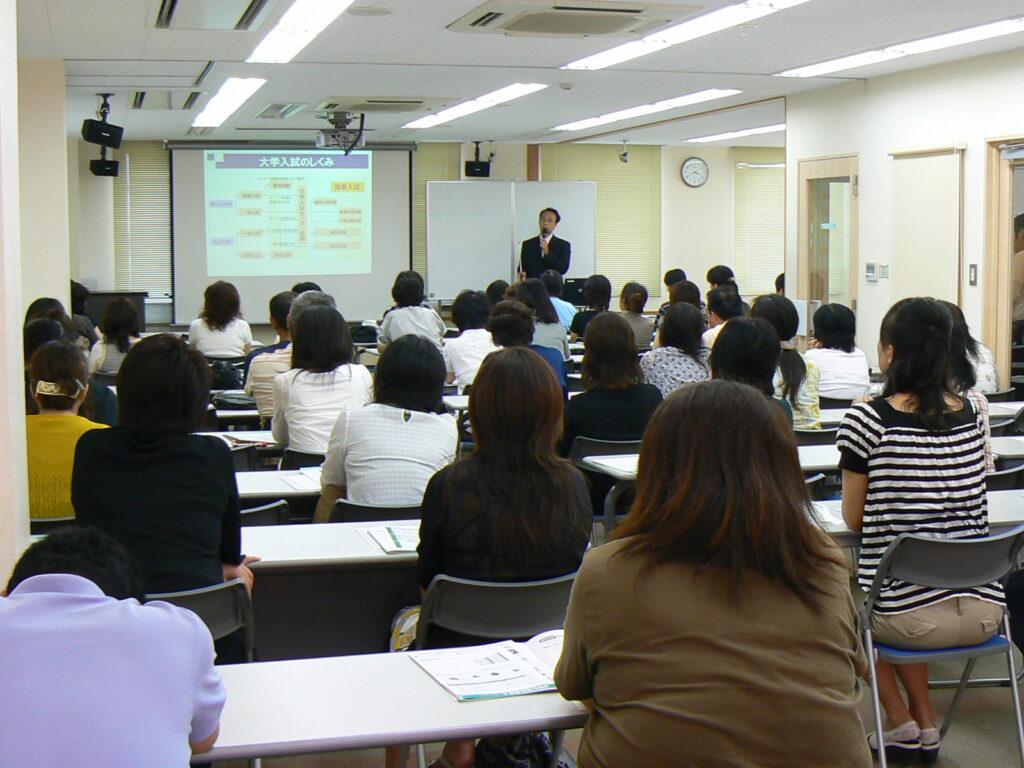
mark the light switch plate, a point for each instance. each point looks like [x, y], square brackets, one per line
[972, 274]
[883, 271]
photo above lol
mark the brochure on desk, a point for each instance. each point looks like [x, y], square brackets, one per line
[495, 670]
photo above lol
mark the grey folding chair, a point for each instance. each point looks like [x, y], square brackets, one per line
[816, 436]
[1005, 479]
[275, 513]
[244, 457]
[297, 459]
[945, 564]
[224, 608]
[833, 402]
[621, 490]
[45, 525]
[346, 511]
[1002, 396]
[999, 427]
[816, 486]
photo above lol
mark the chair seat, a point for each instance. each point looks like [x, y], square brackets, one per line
[995, 644]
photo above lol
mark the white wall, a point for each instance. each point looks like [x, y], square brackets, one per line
[91, 219]
[968, 101]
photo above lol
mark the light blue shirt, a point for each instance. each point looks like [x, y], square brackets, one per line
[565, 311]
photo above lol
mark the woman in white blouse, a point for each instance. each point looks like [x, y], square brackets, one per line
[323, 381]
[842, 365]
[220, 331]
[387, 451]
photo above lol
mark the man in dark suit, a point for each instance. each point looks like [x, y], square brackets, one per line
[544, 251]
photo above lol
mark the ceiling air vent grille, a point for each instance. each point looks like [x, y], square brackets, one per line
[583, 18]
[486, 19]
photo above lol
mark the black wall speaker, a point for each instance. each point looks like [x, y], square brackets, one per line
[104, 134]
[103, 167]
[478, 168]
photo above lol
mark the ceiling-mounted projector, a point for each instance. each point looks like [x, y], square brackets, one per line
[342, 136]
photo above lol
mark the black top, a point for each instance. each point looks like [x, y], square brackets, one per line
[170, 498]
[580, 320]
[533, 263]
[609, 414]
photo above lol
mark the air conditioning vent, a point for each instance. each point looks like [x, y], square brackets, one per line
[206, 131]
[203, 14]
[154, 100]
[280, 111]
[371, 104]
[585, 18]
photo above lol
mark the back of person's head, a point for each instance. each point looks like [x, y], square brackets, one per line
[835, 327]
[684, 291]
[163, 385]
[511, 324]
[780, 283]
[697, 504]
[221, 305]
[1018, 224]
[534, 295]
[321, 340]
[120, 323]
[496, 291]
[782, 314]
[674, 276]
[633, 297]
[86, 552]
[307, 299]
[52, 309]
[916, 332]
[552, 280]
[39, 331]
[470, 310]
[597, 292]
[681, 328]
[79, 295]
[281, 306]
[720, 275]
[747, 350]
[57, 374]
[305, 286]
[725, 302]
[407, 292]
[609, 357]
[962, 347]
[410, 374]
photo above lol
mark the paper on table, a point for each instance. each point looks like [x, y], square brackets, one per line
[302, 481]
[393, 539]
[826, 515]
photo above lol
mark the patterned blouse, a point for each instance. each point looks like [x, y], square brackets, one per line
[806, 411]
[669, 368]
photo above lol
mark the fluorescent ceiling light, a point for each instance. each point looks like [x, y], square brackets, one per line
[647, 109]
[738, 134]
[296, 29]
[233, 94]
[508, 93]
[924, 45]
[708, 24]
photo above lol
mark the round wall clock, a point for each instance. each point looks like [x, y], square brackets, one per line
[694, 171]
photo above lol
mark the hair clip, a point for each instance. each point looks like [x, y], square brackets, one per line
[57, 390]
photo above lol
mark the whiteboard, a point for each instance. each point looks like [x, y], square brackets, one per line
[475, 229]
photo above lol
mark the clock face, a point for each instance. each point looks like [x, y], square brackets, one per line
[694, 171]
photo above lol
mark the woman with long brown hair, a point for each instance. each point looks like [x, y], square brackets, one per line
[733, 639]
[220, 331]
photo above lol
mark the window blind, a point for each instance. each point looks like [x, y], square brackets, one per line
[759, 237]
[430, 162]
[142, 219]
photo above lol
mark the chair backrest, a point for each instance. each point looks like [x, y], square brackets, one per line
[274, 513]
[833, 402]
[297, 460]
[224, 608]
[999, 427]
[1002, 396]
[947, 563]
[244, 457]
[815, 486]
[589, 446]
[496, 610]
[106, 379]
[1005, 479]
[816, 436]
[346, 511]
[45, 525]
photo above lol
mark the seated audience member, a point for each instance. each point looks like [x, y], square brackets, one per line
[672, 277]
[409, 315]
[683, 291]
[980, 357]
[548, 330]
[496, 291]
[305, 286]
[52, 309]
[747, 350]
[91, 676]
[280, 307]
[597, 292]
[723, 305]
[780, 284]
[100, 402]
[385, 452]
[57, 376]
[464, 353]
[616, 404]
[796, 379]
[511, 325]
[220, 331]
[720, 275]
[264, 367]
[85, 326]
[843, 368]
[120, 329]
[680, 356]
[552, 280]
[692, 630]
[323, 381]
[512, 510]
[631, 303]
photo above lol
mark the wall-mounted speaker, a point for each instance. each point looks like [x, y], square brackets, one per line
[478, 169]
[103, 167]
[104, 134]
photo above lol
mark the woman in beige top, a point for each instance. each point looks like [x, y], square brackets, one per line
[734, 639]
[631, 302]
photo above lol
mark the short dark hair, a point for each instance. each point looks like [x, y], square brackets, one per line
[86, 552]
[79, 295]
[120, 323]
[558, 216]
[1018, 223]
[221, 305]
[674, 276]
[609, 356]
[52, 308]
[62, 364]
[496, 291]
[597, 292]
[163, 386]
[552, 280]
[725, 302]
[835, 327]
[407, 292]
[780, 283]
[306, 286]
[784, 318]
[39, 331]
[747, 350]
[681, 328]
[685, 291]
[533, 293]
[720, 275]
[470, 310]
[410, 374]
[281, 305]
[511, 324]
[634, 297]
[321, 340]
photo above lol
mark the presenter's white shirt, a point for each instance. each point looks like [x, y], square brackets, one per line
[844, 375]
[464, 354]
[231, 342]
[386, 455]
[306, 404]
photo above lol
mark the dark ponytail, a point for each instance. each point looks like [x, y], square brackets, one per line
[634, 297]
[781, 313]
[962, 347]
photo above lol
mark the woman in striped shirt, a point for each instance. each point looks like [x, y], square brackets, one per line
[913, 460]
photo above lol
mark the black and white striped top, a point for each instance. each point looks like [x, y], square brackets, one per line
[930, 482]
